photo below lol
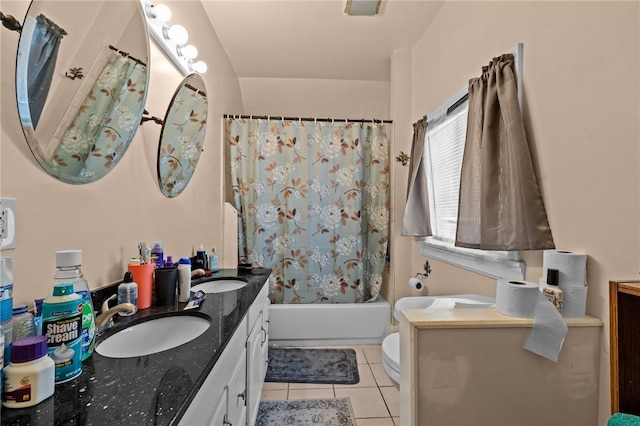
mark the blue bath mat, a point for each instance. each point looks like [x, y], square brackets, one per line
[311, 365]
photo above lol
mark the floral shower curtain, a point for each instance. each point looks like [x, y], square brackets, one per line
[314, 204]
[182, 138]
[102, 128]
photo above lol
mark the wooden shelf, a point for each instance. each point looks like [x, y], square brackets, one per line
[624, 320]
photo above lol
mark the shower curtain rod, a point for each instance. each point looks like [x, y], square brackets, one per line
[324, 120]
[127, 55]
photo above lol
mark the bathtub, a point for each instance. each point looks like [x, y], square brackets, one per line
[329, 324]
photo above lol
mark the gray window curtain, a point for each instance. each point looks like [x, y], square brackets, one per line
[416, 221]
[500, 205]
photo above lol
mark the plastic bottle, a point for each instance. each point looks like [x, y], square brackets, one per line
[214, 264]
[128, 293]
[30, 378]
[6, 304]
[551, 289]
[157, 254]
[22, 323]
[184, 279]
[68, 271]
[62, 326]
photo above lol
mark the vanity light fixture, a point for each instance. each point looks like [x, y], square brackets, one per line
[172, 39]
[189, 51]
[200, 67]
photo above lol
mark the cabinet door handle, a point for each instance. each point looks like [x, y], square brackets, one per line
[226, 421]
[243, 395]
[265, 336]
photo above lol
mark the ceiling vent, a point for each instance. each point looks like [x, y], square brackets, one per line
[362, 7]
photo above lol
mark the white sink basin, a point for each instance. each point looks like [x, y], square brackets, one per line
[219, 286]
[153, 336]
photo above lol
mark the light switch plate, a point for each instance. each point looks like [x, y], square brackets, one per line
[7, 223]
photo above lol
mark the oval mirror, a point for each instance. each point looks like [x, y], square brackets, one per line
[182, 136]
[81, 84]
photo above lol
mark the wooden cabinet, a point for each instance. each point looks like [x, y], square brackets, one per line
[624, 323]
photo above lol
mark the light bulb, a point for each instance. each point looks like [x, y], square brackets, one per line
[189, 51]
[200, 67]
[178, 34]
[160, 12]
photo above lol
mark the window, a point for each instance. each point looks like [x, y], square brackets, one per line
[443, 151]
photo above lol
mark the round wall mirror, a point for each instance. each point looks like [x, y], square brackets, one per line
[182, 136]
[81, 84]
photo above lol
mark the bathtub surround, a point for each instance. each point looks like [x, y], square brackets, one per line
[313, 197]
[312, 365]
[333, 412]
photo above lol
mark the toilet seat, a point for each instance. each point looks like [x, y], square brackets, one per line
[391, 356]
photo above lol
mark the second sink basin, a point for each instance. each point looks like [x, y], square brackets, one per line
[153, 336]
[220, 285]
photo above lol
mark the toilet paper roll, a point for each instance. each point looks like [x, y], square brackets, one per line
[571, 266]
[523, 299]
[517, 298]
[416, 285]
[572, 279]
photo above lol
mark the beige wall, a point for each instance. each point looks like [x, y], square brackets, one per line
[107, 219]
[299, 97]
[581, 110]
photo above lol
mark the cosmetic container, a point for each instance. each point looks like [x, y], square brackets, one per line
[214, 264]
[184, 279]
[68, 270]
[128, 293]
[30, 377]
[22, 323]
[551, 290]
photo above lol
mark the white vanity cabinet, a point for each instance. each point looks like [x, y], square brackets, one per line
[257, 349]
[230, 395]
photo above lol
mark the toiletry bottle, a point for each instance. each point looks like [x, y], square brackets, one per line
[30, 378]
[184, 279]
[22, 323]
[128, 293]
[169, 262]
[62, 326]
[157, 254]
[214, 264]
[200, 259]
[68, 271]
[551, 289]
[6, 304]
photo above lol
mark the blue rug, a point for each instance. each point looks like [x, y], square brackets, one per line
[310, 365]
[325, 412]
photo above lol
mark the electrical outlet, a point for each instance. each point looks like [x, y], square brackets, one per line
[7, 223]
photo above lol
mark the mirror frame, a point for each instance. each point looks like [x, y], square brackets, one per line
[22, 97]
[176, 156]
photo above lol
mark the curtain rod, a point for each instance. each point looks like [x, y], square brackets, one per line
[127, 55]
[277, 117]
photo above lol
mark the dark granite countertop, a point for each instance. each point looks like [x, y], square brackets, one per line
[147, 390]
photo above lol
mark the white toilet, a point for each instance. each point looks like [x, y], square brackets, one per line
[391, 343]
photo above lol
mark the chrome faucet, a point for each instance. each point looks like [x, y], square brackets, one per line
[105, 319]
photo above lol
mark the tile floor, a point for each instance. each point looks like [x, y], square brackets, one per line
[375, 400]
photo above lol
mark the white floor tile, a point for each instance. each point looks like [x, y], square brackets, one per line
[373, 353]
[311, 393]
[396, 420]
[309, 386]
[366, 378]
[366, 402]
[381, 421]
[275, 386]
[391, 396]
[274, 395]
[382, 379]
